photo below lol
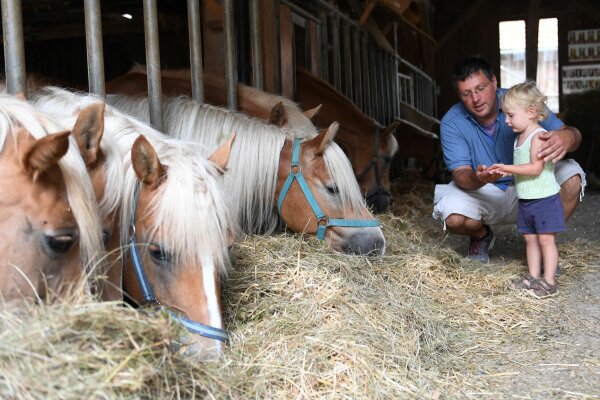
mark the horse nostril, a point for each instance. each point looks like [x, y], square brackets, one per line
[60, 244]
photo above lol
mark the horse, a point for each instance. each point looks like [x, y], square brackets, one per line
[369, 146]
[50, 236]
[277, 175]
[173, 221]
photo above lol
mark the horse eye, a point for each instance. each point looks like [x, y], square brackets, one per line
[106, 236]
[59, 244]
[333, 190]
[159, 255]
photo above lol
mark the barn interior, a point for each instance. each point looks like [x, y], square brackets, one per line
[420, 39]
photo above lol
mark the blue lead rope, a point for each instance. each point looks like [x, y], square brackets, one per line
[323, 221]
[193, 326]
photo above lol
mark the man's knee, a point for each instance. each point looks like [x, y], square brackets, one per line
[455, 221]
[571, 188]
[570, 191]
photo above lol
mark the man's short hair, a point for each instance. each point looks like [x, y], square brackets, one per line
[470, 66]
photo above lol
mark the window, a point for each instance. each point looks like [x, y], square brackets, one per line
[512, 56]
[547, 63]
[512, 53]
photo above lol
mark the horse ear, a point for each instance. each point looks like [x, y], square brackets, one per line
[146, 164]
[390, 129]
[310, 114]
[43, 153]
[221, 155]
[325, 137]
[88, 131]
[277, 117]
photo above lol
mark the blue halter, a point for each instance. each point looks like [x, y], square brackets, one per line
[322, 220]
[195, 327]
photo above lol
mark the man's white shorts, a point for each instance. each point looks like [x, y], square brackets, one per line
[490, 204]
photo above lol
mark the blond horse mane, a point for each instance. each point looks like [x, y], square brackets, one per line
[254, 160]
[80, 193]
[191, 216]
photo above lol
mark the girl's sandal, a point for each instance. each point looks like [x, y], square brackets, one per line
[541, 288]
[523, 282]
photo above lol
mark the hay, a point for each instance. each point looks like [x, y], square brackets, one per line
[304, 322]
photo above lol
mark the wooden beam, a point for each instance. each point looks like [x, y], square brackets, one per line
[364, 16]
[286, 51]
[588, 9]
[531, 40]
[460, 22]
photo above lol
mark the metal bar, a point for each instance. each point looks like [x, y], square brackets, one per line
[373, 83]
[324, 62]
[300, 11]
[257, 69]
[195, 35]
[335, 43]
[230, 60]
[367, 109]
[356, 68]
[95, 52]
[347, 61]
[14, 49]
[153, 64]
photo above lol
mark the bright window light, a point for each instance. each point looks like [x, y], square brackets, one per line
[512, 52]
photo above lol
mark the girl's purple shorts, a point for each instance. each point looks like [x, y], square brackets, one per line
[541, 215]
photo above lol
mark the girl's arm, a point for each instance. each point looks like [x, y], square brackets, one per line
[534, 168]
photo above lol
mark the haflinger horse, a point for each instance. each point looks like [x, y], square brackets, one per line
[276, 174]
[50, 236]
[174, 221]
[369, 146]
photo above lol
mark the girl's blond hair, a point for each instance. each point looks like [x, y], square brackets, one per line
[527, 95]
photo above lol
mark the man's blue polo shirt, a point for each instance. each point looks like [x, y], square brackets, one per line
[465, 142]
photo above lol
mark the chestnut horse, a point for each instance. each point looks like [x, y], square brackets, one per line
[49, 224]
[173, 221]
[369, 146]
[276, 174]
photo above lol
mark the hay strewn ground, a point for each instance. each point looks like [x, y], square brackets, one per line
[421, 322]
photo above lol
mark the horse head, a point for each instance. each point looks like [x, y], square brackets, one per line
[182, 273]
[317, 194]
[48, 213]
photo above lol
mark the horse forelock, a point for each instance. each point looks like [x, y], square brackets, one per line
[341, 172]
[80, 193]
[198, 225]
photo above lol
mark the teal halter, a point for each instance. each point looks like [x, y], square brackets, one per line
[323, 221]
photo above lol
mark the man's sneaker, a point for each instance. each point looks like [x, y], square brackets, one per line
[479, 250]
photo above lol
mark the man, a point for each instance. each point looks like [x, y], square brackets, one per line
[474, 135]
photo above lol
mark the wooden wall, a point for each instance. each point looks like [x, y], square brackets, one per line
[478, 34]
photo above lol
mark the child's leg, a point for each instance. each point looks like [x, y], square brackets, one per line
[534, 255]
[550, 255]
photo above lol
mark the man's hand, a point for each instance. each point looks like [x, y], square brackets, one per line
[487, 175]
[556, 144]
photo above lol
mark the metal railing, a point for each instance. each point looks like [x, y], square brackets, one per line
[377, 80]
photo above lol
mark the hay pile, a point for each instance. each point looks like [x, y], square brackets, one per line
[304, 323]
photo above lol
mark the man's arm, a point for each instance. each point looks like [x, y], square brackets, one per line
[468, 179]
[556, 144]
